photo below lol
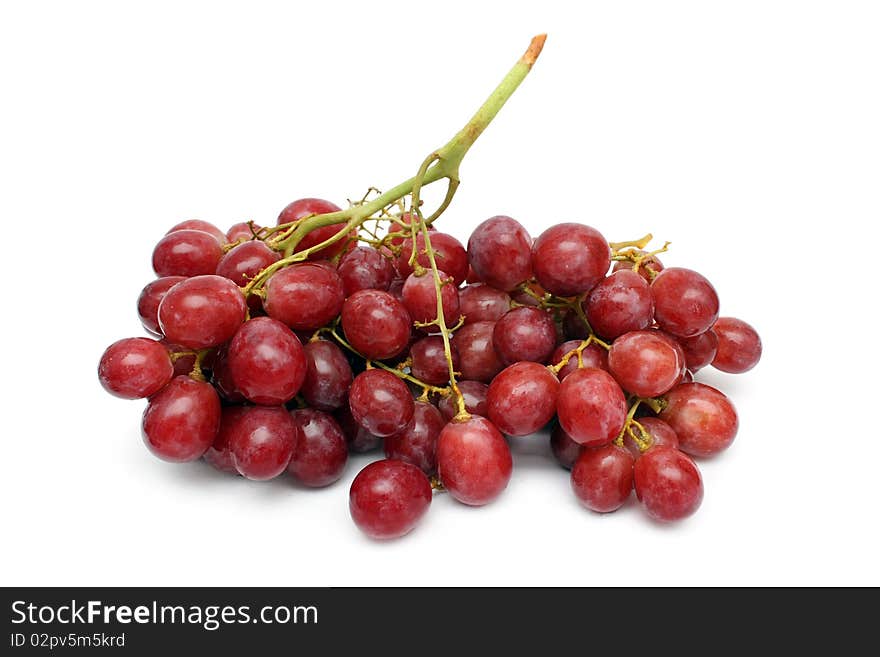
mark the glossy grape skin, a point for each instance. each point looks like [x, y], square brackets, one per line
[183, 364]
[449, 255]
[662, 435]
[429, 360]
[358, 439]
[500, 252]
[703, 418]
[420, 299]
[388, 498]
[186, 253]
[321, 452]
[305, 296]
[739, 346]
[649, 264]
[417, 443]
[591, 407]
[668, 484]
[570, 259]
[267, 362]
[522, 398]
[134, 368]
[524, 334]
[376, 324]
[219, 455]
[476, 349]
[602, 478]
[564, 448]
[202, 312]
[685, 303]
[181, 420]
[592, 356]
[475, 395]
[261, 441]
[244, 261]
[328, 376]
[304, 207]
[241, 230]
[620, 303]
[365, 268]
[482, 303]
[473, 460]
[204, 226]
[380, 402]
[150, 298]
[646, 363]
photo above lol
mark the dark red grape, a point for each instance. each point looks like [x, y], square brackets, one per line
[668, 483]
[481, 303]
[380, 402]
[476, 350]
[186, 253]
[500, 251]
[739, 346]
[204, 226]
[703, 418]
[267, 362]
[134, 368]
[420, 299]
[321, 453]
[573, 327]
[646, 363]
[261, 440]
[429, 360]
[365, 268]
[376, 324]
[305, 296]
[328, 376]
[475, 395]
[473, 460]
[305, 207]
[699, 350]
[388, 498]
[649, 265]
[524, 334]
[564, 448]
[359, 440]
[150, 298]
[448, 253]
[241, 231]
[570, 259]
[620, 303]
[201, 312]
[218, 454]
[660, 434]
[222, 380]
[591, 407]
[602, 477]
[592, 356]
[522, 398]
[183, 359]
[417, 443]
[685, 303]
[181, 420]
[244, 261]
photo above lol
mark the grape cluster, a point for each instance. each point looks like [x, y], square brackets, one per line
[268, 363]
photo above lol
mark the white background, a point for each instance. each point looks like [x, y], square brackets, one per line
[747, 133]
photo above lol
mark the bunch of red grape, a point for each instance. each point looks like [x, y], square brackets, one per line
[435, 352]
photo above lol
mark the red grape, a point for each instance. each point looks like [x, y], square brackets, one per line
[181, 420]
[134, 368]
[376, 324]
[522, 398]
[564, 448]
[685, 303]
[620, 303]
[184, 363]
[429, 360]
[388, 498]
[481, 303]
[305, 207]
[649, 264]
[417, 443]
[646, 363]
[261, 440]
[524, 334]
[592, 356]
[359, 440]
[602, 477]
[660, 435]
[321, 453]
[473, 460]
[591, 407]
[475, 395]
[267, 362]
[150, 298]
[328, 376]
[703, 418]
[739, 346]
[365, 268]
[570, 259]
[244, 261]
[219, 454]
[699, 350]
[221, 377]
[476, 350]
[305, 296]
[380, 402]
[500, 251]
[201, 312]
[240, 231]
[668, 483]
[204, 226]
[449, 255]
[186, 253]
[420, 299]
